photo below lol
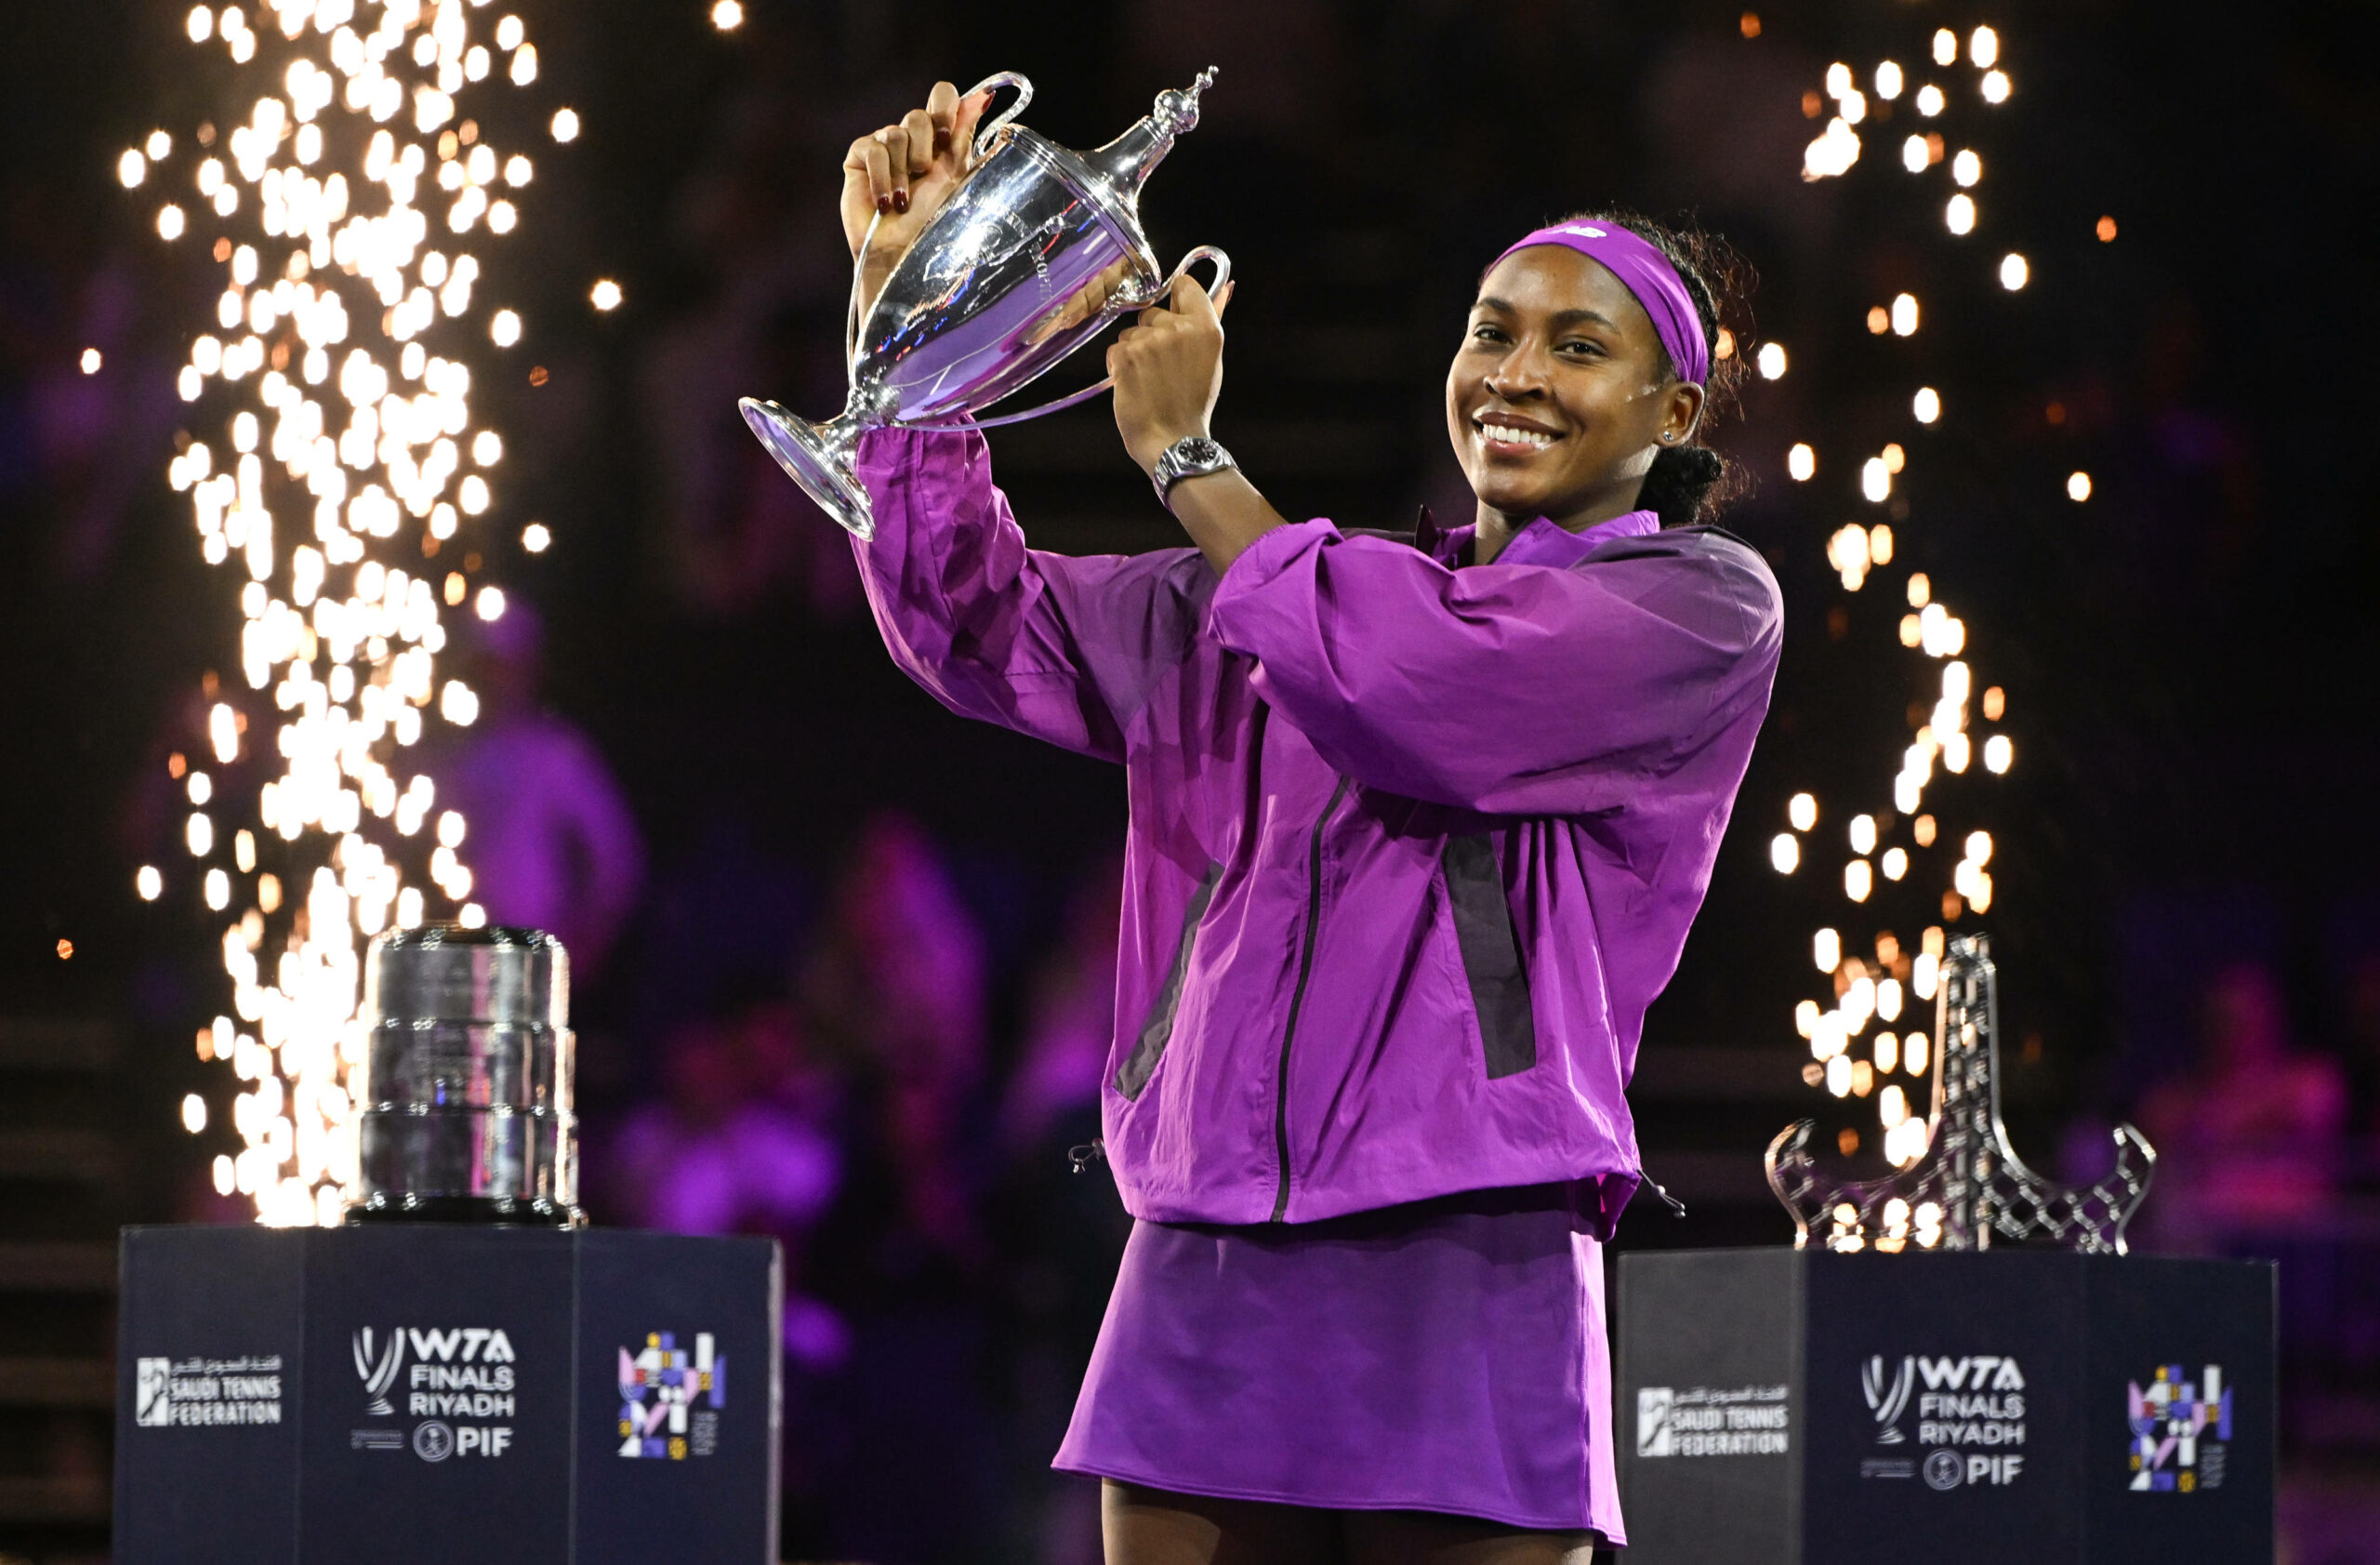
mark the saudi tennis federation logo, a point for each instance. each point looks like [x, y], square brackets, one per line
[2181, 1430]
[379, 1371]
[1888, 1395]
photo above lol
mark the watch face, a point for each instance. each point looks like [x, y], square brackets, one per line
[1199, 451]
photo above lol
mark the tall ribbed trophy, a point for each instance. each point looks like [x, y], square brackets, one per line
[1970, 1189]
[1033, 255]
[467, 1099]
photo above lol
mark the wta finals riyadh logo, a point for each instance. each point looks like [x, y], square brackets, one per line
[379, 1371]
[2180, 1430]
[1888, 1399]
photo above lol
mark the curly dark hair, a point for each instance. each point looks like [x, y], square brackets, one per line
[1691, 482]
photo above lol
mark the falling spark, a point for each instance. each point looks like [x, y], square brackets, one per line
[1771, 359]
[2078, 487]
[355, 191]
[727, 16]
[1945, 743]
[605, 295]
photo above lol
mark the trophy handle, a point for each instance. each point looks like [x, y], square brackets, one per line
[1214, 291]
[987, 134]
[984, 136]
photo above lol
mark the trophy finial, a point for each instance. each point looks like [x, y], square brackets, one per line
[1125, 162]
[1176, 108]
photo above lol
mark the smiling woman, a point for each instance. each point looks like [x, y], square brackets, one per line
[1418, 825]
[1568, 401]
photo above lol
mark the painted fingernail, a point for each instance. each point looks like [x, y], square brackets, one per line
[900, 201]
[884, 203]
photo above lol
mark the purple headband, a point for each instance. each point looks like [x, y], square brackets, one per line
[1646, 272]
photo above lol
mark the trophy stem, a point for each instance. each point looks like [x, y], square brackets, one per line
[817, 457]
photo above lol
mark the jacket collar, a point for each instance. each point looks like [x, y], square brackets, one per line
[1540, 543]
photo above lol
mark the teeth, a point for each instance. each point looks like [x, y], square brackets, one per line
[1509, 433]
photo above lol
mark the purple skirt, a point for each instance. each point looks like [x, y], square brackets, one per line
[1449, 1355]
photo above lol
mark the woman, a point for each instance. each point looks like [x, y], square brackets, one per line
[1418, 827]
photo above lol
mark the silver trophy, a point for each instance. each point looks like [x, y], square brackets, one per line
[1970, 1188]
[1003, 283]
[466, 1112]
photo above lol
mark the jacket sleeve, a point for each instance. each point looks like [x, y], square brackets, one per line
[1506, 689]
[1061, 648]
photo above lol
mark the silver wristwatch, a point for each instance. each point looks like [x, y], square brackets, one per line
[1187, 457]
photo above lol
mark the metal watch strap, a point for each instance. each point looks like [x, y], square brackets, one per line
[1191, 456]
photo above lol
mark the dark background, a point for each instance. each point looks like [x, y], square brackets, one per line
[2187, 656]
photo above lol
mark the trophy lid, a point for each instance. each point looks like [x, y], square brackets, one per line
[445, 972]
[1125, 163]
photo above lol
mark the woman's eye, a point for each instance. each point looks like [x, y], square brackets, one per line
[1593, 350]
[1486, 334]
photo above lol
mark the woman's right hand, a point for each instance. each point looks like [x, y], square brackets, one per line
[899, 176]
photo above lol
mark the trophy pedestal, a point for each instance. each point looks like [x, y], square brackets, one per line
[409, 1393]
[1801, 1407]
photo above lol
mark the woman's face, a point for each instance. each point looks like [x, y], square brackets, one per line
[1556, 400]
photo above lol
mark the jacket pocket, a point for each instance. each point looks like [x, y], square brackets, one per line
[1491, 955]
[1141, 1064]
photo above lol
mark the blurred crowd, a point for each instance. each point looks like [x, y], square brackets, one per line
[945, 1267]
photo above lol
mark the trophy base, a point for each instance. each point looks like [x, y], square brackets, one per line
[468, 1211]
[817, 457]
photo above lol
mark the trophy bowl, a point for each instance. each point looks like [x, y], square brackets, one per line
[467, 1113]
[1034, 254]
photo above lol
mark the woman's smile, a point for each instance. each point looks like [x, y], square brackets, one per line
[1511, 436]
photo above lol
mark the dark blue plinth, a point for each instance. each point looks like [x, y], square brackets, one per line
[457, 1394]
[1780, 1407]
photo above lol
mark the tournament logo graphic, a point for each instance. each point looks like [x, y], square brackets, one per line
[379, 1371]
[459, 1380]
[2181, 1430]
[664, 1388]
[1888, 1399]
[1943, 1469]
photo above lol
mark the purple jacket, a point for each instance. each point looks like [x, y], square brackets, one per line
[1412, 847]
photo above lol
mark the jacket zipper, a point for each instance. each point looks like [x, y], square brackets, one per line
[1297, 995]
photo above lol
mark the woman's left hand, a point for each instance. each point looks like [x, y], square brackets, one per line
[1169, 368]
